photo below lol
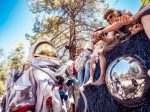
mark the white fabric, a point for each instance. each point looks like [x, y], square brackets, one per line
[33, 88]
[81, 59]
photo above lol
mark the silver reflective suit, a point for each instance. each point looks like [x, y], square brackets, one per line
[34, 86]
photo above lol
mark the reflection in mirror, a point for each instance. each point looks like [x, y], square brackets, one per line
[125, 80]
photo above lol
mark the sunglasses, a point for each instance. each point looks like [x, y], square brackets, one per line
[110, 16]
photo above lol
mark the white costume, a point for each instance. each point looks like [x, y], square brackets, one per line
[36, 88]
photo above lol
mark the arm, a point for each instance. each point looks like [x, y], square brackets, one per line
[120, 22]
[115, 26]
[138, 14]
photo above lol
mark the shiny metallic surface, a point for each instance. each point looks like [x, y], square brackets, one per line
[127, 81]
[45, 49]
[42, 49]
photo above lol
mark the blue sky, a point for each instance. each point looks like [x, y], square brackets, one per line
[129, 5]
[16, 20]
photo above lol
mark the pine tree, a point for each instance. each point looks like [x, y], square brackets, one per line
[16, 58]
[67, 23]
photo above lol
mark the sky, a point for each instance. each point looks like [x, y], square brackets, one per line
[128, 5]
[16, 20]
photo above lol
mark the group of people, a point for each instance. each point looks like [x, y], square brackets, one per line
[47, 85]
[122, 25]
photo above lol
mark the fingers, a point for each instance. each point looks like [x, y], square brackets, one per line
[134, 19]
[95, 34]
[124, 20]
[128, 13]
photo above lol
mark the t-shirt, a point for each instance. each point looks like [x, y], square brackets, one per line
[145, 2]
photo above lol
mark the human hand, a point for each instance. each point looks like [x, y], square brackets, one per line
[95, 38]
[128, 13]
[133, 19]
[101, 34]
[124, 19]
[98, 36]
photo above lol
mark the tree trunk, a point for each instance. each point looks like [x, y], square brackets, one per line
[72, 41]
